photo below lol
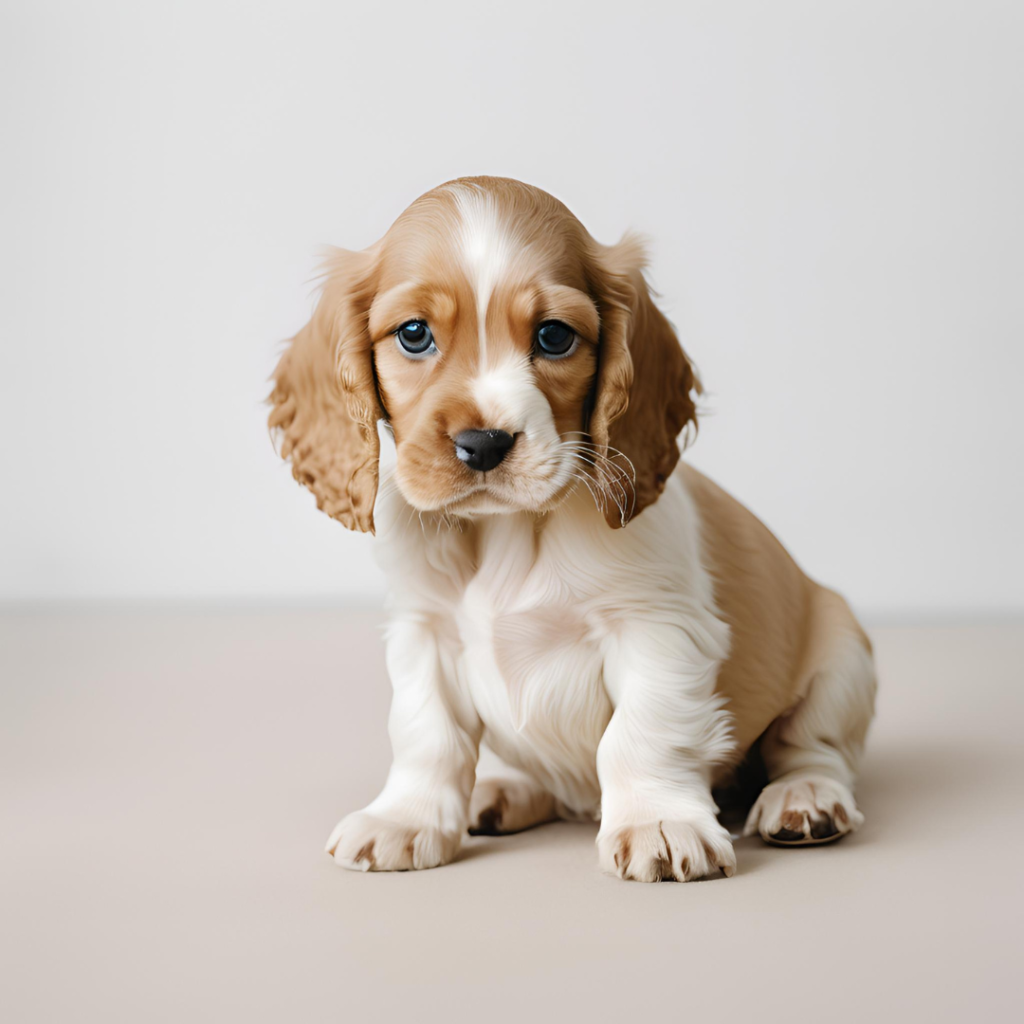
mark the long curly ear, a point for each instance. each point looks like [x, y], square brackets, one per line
[325, 402]
[644, 385]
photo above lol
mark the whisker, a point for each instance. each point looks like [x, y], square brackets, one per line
[604, 460]
[606, 464]
[586, 483]
[591, 483]
[618, 499]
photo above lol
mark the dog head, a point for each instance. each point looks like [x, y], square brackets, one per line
[511, 356]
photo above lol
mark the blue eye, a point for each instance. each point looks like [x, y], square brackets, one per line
[555, 339]
[416, 339]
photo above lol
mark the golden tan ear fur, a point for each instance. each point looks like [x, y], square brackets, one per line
[325, 400]
[643, 397]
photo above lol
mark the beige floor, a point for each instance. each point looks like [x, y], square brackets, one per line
[168, 781]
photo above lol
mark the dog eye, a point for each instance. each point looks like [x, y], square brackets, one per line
[555, 339]
[416, 339]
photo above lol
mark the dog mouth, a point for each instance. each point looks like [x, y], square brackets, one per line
[504, 492]
[528, 479]
[481, 501]
[510, 490]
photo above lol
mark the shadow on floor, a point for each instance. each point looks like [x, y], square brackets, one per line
[903, 790]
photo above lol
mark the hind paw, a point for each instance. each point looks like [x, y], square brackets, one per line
[804, 812]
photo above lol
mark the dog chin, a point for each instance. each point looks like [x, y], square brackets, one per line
[490, 501]
[483, 503]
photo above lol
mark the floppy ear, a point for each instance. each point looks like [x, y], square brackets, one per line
[325, 401]
[644, 382]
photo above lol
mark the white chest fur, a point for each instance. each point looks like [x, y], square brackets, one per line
[531, 658]
[525, 617]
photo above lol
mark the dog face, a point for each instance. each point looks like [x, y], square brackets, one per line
[484, 338]
[511, 356]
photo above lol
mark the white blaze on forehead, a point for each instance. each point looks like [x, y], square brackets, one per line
[487, 249]
[508, 399]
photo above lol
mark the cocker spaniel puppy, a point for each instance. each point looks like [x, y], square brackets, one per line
[615, 627]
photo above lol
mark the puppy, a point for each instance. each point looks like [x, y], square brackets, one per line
[615, 627]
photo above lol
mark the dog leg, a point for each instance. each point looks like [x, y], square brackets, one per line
[501, 806]
[654, 762]
[812, 753]
[421, 815]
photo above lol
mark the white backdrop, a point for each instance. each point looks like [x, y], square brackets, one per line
[834, 193]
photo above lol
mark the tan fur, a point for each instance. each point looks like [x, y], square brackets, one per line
[324, 400]
[783, 624]
[764, 597]
[645, 380]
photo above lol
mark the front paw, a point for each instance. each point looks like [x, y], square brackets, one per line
[363, 842]
[666, 851]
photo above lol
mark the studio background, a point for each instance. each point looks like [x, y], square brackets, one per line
[832, 194]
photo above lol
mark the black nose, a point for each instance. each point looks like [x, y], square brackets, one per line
[483, 449]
